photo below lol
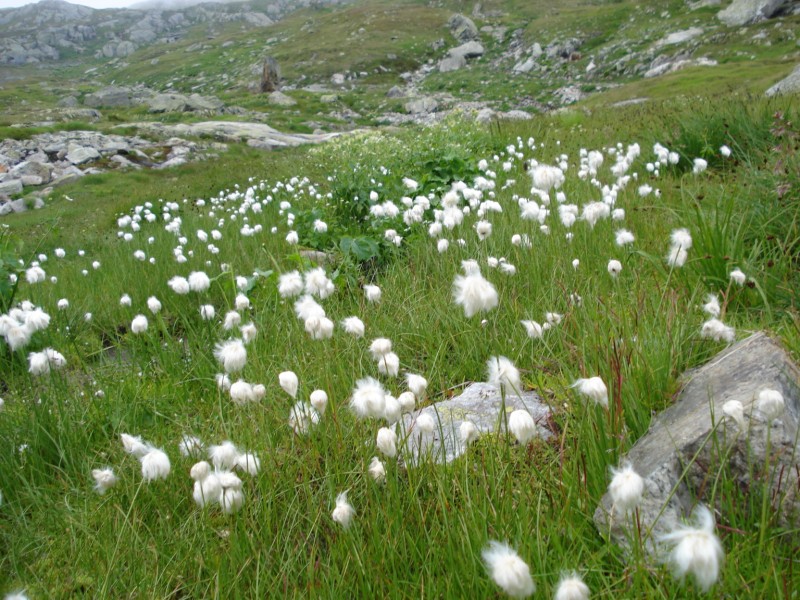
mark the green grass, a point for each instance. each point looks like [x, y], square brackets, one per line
[421, 534]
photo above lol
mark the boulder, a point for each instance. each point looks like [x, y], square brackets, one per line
[692, 444]
[462, 28]
[78, 155]
[281, 99]
[452, 63]
[485, 115]
[420, 106]
[468, 50]
[745, 12]
[395, 92]
[33, 168]
[109, 97]
[679, 37]
[337, 79]
[125, 49]
[480, 404]
[524, 66]
[197, 102]
[270, 76]
[788, 85]
[68, 102]
[161, 103]
[329, 98]
[9, 187]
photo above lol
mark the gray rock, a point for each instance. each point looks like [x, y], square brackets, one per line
[329, 98]
[28, 180]
[679, 37]
[68, 102]
[33, 168]
[281, 99]
[462, 28]
[524, 66]
[468, 50]
[745, 12]
[536, 50]
[517, 115]
[395, 92]
[196, 102]
[676, 65]
[125, 49]
[692, 443]
[19, 205]
[569, 94]
[9, 187]
[788, 85]
[482, 405]
[79, 155]
[109, 97]
[452, 63]
[421, 106]
[161, 103]
[485, 115]
[337, 79]
[270, 76]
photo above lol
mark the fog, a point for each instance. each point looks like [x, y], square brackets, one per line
[119, 3]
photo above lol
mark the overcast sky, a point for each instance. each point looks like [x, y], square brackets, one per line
[92, 3]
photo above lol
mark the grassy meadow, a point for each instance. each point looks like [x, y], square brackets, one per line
[421, 532]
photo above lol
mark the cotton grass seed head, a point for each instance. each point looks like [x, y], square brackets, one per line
[522, 426]
[771, 404]
[593, 388]
[231, 354]
[696, 550]
[343, 512]
[626, 488]
[502, 374]
[508, 570]
[377, 470]
[289, 382]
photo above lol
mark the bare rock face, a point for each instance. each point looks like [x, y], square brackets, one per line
[693, 446]
[479, 404]
[745, 12]
[270, 76]
[462, 28]
[788, 85]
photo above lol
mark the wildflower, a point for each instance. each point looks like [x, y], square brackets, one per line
[153, 304]
[614, 267]
[725, 151]
[483, 229]
[407, 402]
[623, 237]
[712, 307]
[40, 363]
[368, 399]
[223, 381]
[190, 446]
[104, 479]
[733, 409]
[343, 512]
[676, 257]
[576, 263]
[319, 400]
[243, 392]
[63, 304]
[738, 277]
[503, 374]
[139, 324]
[292, 238]
[626, 488]
[377, 470]
[373, 293]
[354, 326]
[290, 284]
[771, 404]
[681, 238]
[249, 463]
[468, 433]
[198, 281]
[231, 497]
[35, 274]
[533, 329]
[508, 570]
[207, 488]
[696, 550]
[302, 417]
[442, 246]
[425, 423]
[380, 347]
[249, 332]
[571, 587]
[125, 300]
[224, 456]
[417, 384]
[700, 165]
[232, 320]
[522, 426]
[289, 382]
[392, 409]
[386, 442]
[179, 285]
[318, 284]
[716, 330]
[231, 354]
[594, 388]
[241, 302]
[472, 291]
[155, 465]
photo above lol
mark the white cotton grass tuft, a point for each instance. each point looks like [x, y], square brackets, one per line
[231, 354]
[508, 570]
[231, 497]
[386, 442]
[41, 363]
[696, 550]
[368, 399]
[623, 237]
[522, 426]
[179, 285]
[468, 433]
[232, 320]
[343, 512]
[716, 330]
[533, 329]
[712, 307]
[472, 291]
[425, 423]
[16, 595]
[290, 284]
[353, 326]
[319, 400]
[249, 463]
[224, 455]
[155, 465]
[207, 312]
[153, 304]
[417, 385]
[303, 417]
[593, 388]
[389, 364]
[104, 479]
[289, 382]
[734, 410]
[770, 404]
[738, 277]
[249, 332]
[407, 402]
[318, 284]
[207, 488]
[380, 347]
[190, 446]
[372, 293]
[198, 281]
[571, 587]
[626, 488]
[503, 375]
[243, 392]
[377, 470]
[614, 267]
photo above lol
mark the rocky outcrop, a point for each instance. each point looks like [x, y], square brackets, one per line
[789, 85]
[462, 28]
[745, 12]
[699, 440]
[270, 76]
[123, 97]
